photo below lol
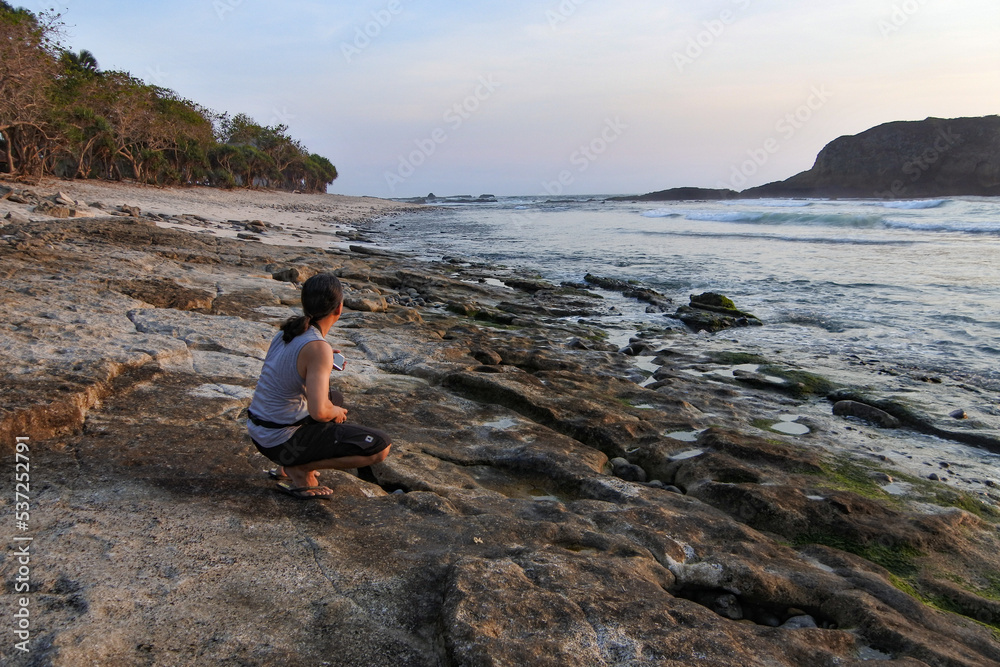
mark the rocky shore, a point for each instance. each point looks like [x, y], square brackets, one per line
[554, 496]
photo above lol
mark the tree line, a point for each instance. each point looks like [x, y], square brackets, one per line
[60, 115]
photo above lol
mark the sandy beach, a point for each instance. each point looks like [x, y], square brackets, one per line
[304, 219]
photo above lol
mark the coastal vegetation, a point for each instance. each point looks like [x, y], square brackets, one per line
[61, 115]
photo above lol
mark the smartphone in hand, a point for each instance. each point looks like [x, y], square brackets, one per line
[338, 361]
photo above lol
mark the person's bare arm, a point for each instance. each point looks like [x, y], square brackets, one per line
[315, 364]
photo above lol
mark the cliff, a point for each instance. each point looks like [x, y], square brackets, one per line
[936, 157]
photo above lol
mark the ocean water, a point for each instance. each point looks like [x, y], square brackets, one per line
[910, 283]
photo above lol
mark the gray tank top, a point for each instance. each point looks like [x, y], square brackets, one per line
[280, 396]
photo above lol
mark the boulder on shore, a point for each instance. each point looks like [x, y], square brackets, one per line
[714, 312]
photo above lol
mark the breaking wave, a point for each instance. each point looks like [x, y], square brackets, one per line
[806, 219]
[916, 205]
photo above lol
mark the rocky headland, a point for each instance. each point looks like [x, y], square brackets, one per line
[553, 497]
[683, 194]
[936, 157]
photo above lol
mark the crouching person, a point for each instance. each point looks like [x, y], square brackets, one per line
[295, 419]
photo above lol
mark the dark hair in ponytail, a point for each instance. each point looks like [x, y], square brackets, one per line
[321, 295]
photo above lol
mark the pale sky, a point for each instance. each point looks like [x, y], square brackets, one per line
[408, 97]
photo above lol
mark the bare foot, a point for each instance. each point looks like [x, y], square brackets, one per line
[302, 476]
[280, 472]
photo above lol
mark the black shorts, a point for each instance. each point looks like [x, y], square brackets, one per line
[317, 441]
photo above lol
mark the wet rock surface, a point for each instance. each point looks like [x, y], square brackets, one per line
[713, 312]
[545, 503]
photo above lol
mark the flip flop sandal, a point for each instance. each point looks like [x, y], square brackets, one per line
[273, 474]
[300, 492]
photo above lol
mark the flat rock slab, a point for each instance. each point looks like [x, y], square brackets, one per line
[493, 534]
[865, 412]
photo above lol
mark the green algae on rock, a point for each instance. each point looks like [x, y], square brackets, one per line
[713, 312]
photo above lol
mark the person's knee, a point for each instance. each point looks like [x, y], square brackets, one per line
[381, 456]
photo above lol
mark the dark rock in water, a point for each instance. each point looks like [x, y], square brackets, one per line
[713, 301]
[916, 420]
[714, 312]
[866, 413]
[683, 194]
[630, 290]
[527, 285]
[638, 349]
[935, 157]
[459, 199]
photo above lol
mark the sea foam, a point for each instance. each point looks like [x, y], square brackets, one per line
[810, 219]
[661, 213]
[772, 203]
[945, 226]
[916, 205]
